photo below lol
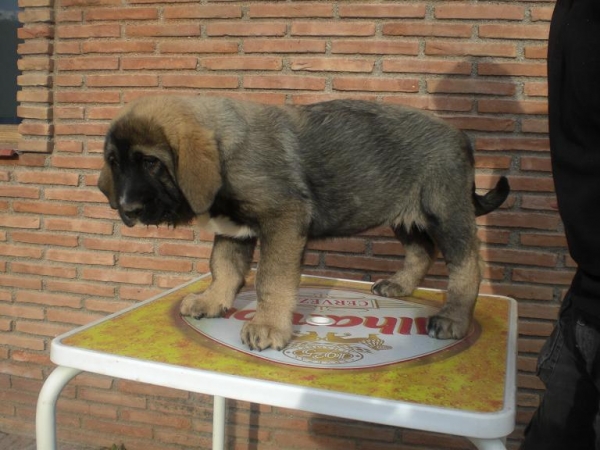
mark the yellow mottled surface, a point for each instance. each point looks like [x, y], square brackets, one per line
[471, 379]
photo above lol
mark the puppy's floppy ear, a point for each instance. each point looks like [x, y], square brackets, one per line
[107, 186]
[198, 166]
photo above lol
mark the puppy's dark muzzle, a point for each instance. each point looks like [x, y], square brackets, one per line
[130, 213]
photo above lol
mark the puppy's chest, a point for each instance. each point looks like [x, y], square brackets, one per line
[223, 225]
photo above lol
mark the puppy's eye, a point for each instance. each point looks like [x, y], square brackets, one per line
[111, 160]
[150, 162]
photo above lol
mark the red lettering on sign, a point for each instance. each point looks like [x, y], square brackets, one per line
[244, 314]
[421, 324]
[230, 312]
[405, 326]
[346, 321]
[387, 327]
[298, 319]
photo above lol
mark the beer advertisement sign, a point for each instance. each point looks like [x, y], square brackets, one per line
[340, 329]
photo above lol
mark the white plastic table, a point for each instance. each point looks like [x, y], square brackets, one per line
[467, 388]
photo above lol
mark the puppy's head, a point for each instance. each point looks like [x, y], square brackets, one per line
[160, 164]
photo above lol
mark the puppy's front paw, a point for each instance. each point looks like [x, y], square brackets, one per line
[199, 306]
[260, 336]
[441, 327]
[387, 288]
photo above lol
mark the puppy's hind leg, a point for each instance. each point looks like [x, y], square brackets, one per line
[229, 263]
[420, 253]
[458, 243]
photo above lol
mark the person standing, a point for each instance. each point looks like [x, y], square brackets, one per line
[569, 362]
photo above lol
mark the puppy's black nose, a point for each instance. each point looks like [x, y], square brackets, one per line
[129, 212]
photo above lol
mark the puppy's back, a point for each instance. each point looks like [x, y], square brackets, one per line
[367, 163]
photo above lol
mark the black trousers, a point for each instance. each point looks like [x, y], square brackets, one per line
[569, 366]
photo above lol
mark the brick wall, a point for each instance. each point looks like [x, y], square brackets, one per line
[65, 259]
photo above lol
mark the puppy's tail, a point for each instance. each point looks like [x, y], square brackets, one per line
[493, 199]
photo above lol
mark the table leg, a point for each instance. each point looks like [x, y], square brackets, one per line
[45, 417]
[218, 423]
[488, 444]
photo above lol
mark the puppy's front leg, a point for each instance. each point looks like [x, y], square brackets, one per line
[277, 281]
[229, 263]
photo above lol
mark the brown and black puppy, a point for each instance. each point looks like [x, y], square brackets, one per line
[283, 175]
